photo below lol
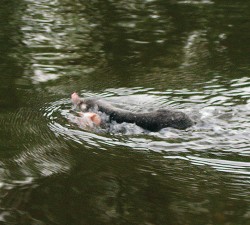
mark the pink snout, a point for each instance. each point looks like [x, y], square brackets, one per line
[75, 98]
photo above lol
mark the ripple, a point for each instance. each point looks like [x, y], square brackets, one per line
[223, 165]
[33, 147]
[222, 124]
[195, 2]
[53, 43]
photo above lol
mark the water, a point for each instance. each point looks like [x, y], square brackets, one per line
[191, 56]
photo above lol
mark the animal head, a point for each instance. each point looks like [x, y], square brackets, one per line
[90, 118]
[79, 102]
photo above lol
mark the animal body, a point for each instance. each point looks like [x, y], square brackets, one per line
[152, 121]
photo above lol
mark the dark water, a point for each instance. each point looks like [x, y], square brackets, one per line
[188, 55]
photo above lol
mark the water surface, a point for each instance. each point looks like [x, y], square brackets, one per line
[191, 56]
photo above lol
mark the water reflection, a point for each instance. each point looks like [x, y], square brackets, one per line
[55, 39]
[114, 194]
[140, 55]
[199, 2]
[141, 40]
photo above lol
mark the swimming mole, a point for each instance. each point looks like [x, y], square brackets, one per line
[152, 121]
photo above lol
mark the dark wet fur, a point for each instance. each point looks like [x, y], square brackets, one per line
[152, 121]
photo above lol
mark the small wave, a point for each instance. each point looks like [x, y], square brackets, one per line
[221, 125]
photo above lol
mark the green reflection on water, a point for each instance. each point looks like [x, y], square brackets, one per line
[168, 49]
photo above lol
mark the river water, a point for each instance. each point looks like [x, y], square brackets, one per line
[191, 56]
